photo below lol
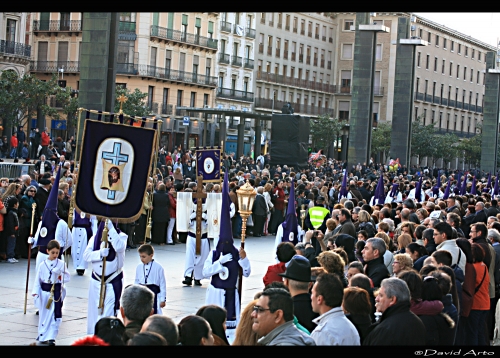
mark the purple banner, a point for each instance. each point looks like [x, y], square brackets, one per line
[208, 164]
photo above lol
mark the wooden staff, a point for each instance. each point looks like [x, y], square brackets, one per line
[29, 256]
[103, 281]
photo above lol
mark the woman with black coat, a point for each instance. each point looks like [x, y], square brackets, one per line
[160, 215]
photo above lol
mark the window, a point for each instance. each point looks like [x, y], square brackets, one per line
[427, 62]
[151, 90]
[425, 88]
[443, 66]
[435, 64]
[152, 60]
[437, 40]
[378, 56]
[452, 45]
[348, 24]
[455, 124]
[440, 119]
[444, 43]
[165, 98]
[459, 48]
[196, 61]
[193, 99]
[417, 84]
[345, 83]
[287, 22]
[479, 55]
[208, 66]
[451, 68]
[458, 71]
[302, 27]
[416, 113]
[420, 33]
[418, 59]
[205, 99]
[477, 77]
[347, 51]
[472, 54]
[11, 29]
[465, 73]
[466, 51]
[295, 24]
[62, 53]
[424, 117]
[429, 37]
[344, 110]
[211, 29]
[472, 75]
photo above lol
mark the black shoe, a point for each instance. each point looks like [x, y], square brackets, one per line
[170, 243]
[197, 283]
[188, 281]
[37, 313]
[80, 272]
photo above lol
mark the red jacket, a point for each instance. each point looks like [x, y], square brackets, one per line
[13, 142]
[272, 273]
[280, 199]
[172, 207]
[45, 139]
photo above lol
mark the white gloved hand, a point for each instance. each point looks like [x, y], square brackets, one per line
[104, 252]
[225, 258]
[31, 240]
[204, 216]
[110, 226]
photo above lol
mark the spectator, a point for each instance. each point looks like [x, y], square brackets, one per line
[111, 330]
[136, 304]
[195, 331]
[245, 336]
[216, 317]
[164, 326]
[358, 309]
[284, 252]
[373, 255]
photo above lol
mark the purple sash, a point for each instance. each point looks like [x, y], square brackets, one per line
[117, 286]
[57, 297]
[84, 223]
[156, 291]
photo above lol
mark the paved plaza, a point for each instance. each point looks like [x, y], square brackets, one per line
[17, 328]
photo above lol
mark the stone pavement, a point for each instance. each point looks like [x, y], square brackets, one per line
[17, 328]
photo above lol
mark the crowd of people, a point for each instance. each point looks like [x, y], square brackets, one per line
[417, 264]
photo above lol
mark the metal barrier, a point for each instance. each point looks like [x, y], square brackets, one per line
[15, 170]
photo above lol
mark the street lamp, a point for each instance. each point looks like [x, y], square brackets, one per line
[246, 196]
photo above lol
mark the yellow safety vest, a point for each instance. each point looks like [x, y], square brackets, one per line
[317, 214]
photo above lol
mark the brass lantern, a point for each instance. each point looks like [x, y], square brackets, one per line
[246, 197]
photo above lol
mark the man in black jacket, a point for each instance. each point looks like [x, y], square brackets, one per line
[259, 212]
[373, 254]
[398, 325]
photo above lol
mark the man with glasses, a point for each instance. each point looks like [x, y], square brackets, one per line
[443, 233]
[273, 320]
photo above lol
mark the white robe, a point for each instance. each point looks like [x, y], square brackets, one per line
[389, 199]
[80, 241]
[155, 276]
[119, 242]
[195, 262]
[215, 296]
[279, 235]
[63, 236]
[183, 210]
[411, 195]
[48, 326]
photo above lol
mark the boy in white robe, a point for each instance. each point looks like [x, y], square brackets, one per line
[115, 259]
[222, 265]
[49, 291]
[151, 274]
[84, 227]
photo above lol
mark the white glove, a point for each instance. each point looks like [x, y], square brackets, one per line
[225, 258]
[104, 252]
[110, 226]
[204, 216]
[31, 240]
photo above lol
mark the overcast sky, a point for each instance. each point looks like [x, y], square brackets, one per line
[481, 25]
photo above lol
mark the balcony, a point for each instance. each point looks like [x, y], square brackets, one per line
[459, 105]
[269, 50]
[286, 80]
[315, 62]
[322, 64]
[167, 108]
[295, 29]
[54, 66]
[466, 106]
[126, 26]
[248, 64]
[472, 108]
[236, 61]
[479, 109]
[302, 32]
[153, 107]
[250, 33]
[224, 58]
[343, 90]
[308, 60]
[301, 58]
[298, 108]
[226, 26]
[419, 96]
[436, 100]
[278, 53]
[285, 54]
[189, 78]
[261, 48]
[378, 91]
[262, 20]
[234, 94]
[428, 98]
[57, 25]
[444, 101]
[293, 56]
[316, 36]
[167, 35]
[451, 103]
[323, 38]
[280, 25]
[11, 48]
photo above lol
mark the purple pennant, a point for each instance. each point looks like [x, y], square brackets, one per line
[495, 189]
[343, 188]
[447, 191]
[473, 188]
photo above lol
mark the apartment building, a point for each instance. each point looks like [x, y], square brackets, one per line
[294, 62]
[169, 56]
[234, 69]
[15, 52]
[449, 79]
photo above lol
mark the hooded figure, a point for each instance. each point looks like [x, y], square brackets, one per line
[473, 187]
[84, 227]
[343, 189]
[51, 227]
[447, 191]
[495, 189]
[379, 196]
[418, 189]
[223, 268]
[488, 185]
[289, 230]
[456, 190]
[463, 189]
[394, 195]
[436, 193]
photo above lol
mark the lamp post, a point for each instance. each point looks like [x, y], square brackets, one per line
[246, 196]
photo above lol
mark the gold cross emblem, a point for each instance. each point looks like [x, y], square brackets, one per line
[122, 99]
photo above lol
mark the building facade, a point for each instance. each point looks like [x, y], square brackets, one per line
[15, 51]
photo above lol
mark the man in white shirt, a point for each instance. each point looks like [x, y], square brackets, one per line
[443, 238]
[333, 327]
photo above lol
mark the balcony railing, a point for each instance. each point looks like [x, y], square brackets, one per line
[271, 23]
[302, 32]
[226, 26]
[57, 25]
[234, 94]
[54, 66]
[261, 48]
[293, 56]
[473, 107]
[250, 33]
[167, 74]
[126, 26]
[444, 101]
[236, 61]
[322, 63]
[287, 27]
[315, 62]
[167, 108]
[301, 58]
[428, 98]
[329, 65]
[316, 36]
[378, 91]
[224, 58]
[308, 60]
[309, 33]
[436, 100]
[298, 108]
[153, 107]
[323, 38]
[479, 109]
[248, 63]
[295, 29]
[184, 37]
[343, 89]
[330, 39]
[466, 106]
[419, 96]
[280, 25]
[278, 52]
[459, 105]
[269, 50]
[286, 80]
[452, 103]
[15, 48]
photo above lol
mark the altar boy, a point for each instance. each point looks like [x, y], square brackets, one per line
[150, 273]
